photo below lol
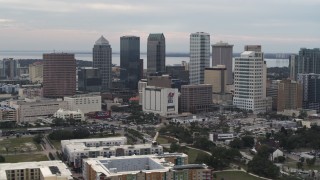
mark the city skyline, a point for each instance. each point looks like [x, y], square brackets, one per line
[75, 25]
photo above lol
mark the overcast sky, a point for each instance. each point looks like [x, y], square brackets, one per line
[68, 25]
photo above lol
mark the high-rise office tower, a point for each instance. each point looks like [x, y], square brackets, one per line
[286, 94]
[89, 79]
[311, 90]
[222, 55]
[217, 77]
[293, 66]
[309, 61]
[196, 98]
[199, 56]
[102, 59]
[130, 61]
[9, 68]
[36, 72]
[59, 75]
[250, 80]
[156, 53]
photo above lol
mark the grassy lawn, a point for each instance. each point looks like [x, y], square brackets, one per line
[192, 154]
[162, 140]
[293, 164]
[165, 140]
[22, 144]
[232, 175]
[25, 158]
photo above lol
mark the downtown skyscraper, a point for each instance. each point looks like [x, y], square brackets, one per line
[102, 59]
[222, 55]
[199, 56]
[130, 71]
[250, 76]
[59, 75]
[156, 53]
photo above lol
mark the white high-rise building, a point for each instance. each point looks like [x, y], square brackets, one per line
[199, 56]
[250, 75]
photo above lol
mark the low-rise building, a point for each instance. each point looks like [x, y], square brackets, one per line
[296, 112]
[141, 168]
[29, 110]
[85, 102]
[42, 170]
[8, 113]
[30, 91]
[66, 114]
[74, 153]
[112, 141]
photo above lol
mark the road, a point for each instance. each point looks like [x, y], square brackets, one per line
[49, 148]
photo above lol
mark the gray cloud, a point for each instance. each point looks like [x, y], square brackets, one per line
[283, 26]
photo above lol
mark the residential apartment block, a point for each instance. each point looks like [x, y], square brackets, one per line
[41, 170]
[141, 168]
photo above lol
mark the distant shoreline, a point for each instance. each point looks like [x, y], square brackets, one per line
[168, 54]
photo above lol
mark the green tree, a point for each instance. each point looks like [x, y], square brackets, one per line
[311, 162]
[174, 147]
[202, 158]
[58, 122]
[263, 167]
[203, 143]
[37, 138]
[264, 151]
[299, 165]
[81, 133]
[2, 159]
[248, 141]
[236, 143]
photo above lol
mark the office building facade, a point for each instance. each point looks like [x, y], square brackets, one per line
[250, 80]
[222, 54]
[10, 68]
[309, 61]
[289, 95]
[156, 53]
[130, 61]
[199, 56]
[311, 91]
[85, 102]
[196, 98]
[59, 75]
[36, 72]
[162, 101]
[89, 79]
[293, 66]
[102, 59]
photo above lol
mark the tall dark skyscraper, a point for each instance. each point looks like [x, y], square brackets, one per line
[102, 59]
[59, 75]
[311, 90]
[222, 55]
[156, 53]
[130, 61]
[309, 61]
[89, 79]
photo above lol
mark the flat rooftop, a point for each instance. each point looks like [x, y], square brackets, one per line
[129, 165]
[75, 141]
[80, 147]
[47, 168]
